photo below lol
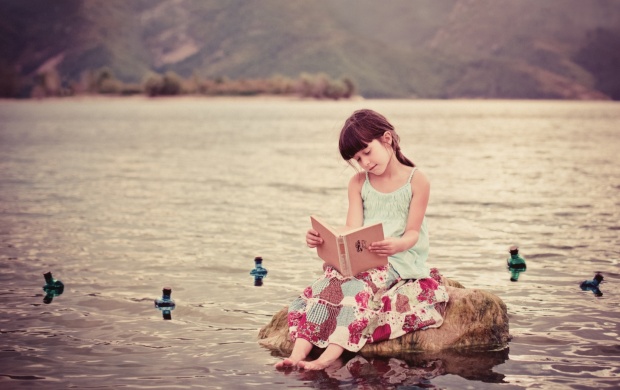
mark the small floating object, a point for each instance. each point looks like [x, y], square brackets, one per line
[258, 272]
[52, 288]
[516, 263]
[592, 285]
[165, 304]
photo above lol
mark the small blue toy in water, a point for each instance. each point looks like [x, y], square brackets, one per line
[52, 288]
[516, 263]
[592, 285]
[258, 272]
[165, 303]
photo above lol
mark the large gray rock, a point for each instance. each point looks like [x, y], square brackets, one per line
[473, 319]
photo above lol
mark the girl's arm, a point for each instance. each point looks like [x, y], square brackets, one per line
[420, 187]
[355, 213]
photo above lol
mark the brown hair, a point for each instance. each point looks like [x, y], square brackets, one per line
[361, 128]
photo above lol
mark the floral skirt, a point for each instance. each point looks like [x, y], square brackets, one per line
[373, 306]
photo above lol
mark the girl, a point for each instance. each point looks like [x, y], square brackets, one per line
[338, 313]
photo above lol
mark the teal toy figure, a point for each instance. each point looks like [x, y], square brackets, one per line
[516, 263]
[592, 285]
[166, 304]
[258, 272]
[52, 288]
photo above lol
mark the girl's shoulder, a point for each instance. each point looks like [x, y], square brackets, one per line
[357, 180]
[419, 181]
[418, 176]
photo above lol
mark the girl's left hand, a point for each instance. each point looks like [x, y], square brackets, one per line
[387, 247]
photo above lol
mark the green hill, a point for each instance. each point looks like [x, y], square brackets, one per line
[564, 49]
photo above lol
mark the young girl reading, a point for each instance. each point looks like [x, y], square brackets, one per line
[338, 313]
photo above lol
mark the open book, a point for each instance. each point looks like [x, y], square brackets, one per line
[347, 249]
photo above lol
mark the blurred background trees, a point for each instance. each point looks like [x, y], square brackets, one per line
[103, 82]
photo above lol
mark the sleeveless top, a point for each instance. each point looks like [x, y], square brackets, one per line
[392, 209]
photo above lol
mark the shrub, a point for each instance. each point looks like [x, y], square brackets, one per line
[157, 85]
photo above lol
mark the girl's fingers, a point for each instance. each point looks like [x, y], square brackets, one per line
[376, 246]
[314, 241]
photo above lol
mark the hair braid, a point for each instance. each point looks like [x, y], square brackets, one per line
[399, 154]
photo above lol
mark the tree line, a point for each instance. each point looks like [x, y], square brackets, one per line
[103, 82]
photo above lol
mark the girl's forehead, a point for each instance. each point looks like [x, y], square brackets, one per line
[365, 147]
[369, 144]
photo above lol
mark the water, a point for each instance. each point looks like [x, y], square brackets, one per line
[120, 198]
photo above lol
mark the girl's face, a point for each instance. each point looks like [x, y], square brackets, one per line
[375, 158]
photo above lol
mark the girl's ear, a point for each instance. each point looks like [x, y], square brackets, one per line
[387, 138]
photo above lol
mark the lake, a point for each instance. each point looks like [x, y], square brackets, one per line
[119, 198]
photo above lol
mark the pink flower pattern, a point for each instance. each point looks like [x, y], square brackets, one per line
[362, 299]
[355, 330]
[428, 286]
[345, 319]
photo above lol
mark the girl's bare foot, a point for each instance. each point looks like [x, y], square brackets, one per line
[314, 365]
[301, 349]
[286, 363]
[329, 356]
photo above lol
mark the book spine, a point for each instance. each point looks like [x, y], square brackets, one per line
[343, 254]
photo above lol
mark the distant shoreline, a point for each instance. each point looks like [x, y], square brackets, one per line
[267, 98]
[140, 97]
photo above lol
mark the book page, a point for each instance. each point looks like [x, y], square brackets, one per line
[356, 246]
[328, 251]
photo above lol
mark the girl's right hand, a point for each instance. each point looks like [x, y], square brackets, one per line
[313, 239]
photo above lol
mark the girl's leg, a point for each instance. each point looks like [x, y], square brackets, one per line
[330, 355]
[301, 349]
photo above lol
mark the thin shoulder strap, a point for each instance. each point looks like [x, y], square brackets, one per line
[412, 172]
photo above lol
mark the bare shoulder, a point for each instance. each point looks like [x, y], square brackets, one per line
[420, 181]
[357, 181]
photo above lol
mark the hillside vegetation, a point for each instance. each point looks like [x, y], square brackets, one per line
[558, 49]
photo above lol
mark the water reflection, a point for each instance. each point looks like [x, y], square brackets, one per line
[120, 200]
[414, 369]
[52, 288]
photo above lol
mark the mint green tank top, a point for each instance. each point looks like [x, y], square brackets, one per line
[392, 209]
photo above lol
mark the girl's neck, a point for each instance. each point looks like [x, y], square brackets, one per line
[394, 169]
[394, 177]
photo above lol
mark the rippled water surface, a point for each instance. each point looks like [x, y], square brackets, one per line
[119, 198]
